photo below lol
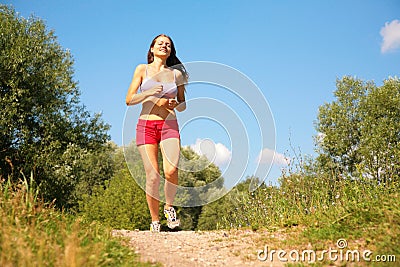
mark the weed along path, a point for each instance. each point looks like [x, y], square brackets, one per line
[198, 248]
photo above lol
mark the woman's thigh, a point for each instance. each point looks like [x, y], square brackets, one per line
[170, 149]
[149, 154]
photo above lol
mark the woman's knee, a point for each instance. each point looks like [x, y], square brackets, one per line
[170, 172]
[152, 179]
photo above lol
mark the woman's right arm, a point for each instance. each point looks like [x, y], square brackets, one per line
[133, 97]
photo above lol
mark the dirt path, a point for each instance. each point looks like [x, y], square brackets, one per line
[190, 248]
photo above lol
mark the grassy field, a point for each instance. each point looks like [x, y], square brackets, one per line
[305, 212]
[315, 211]
[33, 233]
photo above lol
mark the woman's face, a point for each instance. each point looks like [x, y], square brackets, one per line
[162, 47]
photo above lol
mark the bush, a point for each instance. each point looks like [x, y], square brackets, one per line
[121, 204]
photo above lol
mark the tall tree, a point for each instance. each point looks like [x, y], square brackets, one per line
[44, 128]
[359, 132]
[380, 129]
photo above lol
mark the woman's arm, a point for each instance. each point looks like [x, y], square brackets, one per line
[133, 97]
[181, 105]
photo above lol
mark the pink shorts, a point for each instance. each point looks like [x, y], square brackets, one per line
[154, 131]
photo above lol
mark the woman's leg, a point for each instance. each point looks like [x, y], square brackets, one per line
[149, 153]
[170, 149]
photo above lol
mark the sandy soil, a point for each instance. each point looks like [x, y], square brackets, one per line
[197, 248]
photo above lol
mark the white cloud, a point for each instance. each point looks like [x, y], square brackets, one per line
[266, 156]
[218, 153]
[391, 36]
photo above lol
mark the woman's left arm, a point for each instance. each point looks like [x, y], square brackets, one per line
[181, 105]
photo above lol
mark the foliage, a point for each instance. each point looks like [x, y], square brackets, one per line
[325, 206]
[33, 233]
[197, 170]
[225, 207]
[360, 130]
[380, 129]
[45, 130]
[120, 205]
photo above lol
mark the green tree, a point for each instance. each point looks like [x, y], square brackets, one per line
[380, 131]
[45, 130]
[198, 172]
[359, 130]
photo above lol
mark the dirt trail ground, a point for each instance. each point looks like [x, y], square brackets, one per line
[190, 248]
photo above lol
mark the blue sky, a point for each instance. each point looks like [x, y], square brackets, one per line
[292, 50]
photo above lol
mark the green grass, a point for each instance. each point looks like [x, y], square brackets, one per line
[307, 209]
[317, 210]
[33, 233]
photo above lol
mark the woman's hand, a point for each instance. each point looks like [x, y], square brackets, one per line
[171, 103]
[167, 103]
[155, 90]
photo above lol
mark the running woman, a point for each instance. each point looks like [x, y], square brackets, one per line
[159, 87]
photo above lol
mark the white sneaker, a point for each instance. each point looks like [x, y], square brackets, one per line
[155, 227]
[172, 221]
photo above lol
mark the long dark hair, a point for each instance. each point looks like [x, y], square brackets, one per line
[172, 61]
